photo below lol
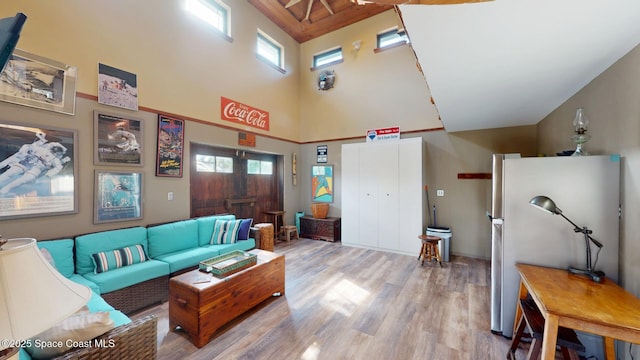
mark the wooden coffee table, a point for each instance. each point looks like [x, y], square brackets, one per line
[201, 304]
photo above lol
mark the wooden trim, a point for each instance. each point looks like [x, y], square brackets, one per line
[203, 122]
[472, 176]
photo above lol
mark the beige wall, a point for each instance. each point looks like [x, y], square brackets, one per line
[184, 69]
[183, 66]
[612, 106]
[371, 90]
[466, 202]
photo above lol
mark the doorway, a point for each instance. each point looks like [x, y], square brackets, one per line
[239, 182]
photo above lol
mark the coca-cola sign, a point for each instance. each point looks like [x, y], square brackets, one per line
[244, 114]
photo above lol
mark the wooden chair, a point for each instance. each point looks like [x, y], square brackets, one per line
[532, 317]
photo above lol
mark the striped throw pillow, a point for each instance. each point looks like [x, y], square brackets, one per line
[110, 260]
[225, 232]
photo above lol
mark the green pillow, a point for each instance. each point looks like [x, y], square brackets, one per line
[225, 232]
[109, 260]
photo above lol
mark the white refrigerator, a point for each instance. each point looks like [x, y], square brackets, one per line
[585, 188]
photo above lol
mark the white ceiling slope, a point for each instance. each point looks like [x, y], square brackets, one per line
[512, 62]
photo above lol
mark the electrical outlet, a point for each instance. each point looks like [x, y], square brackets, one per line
[170, 196]
[440, 192]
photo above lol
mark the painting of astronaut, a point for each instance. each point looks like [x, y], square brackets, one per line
[118, 196]
[37, 171]
[35, 81]
[170, 145]
[118, 140]
[117, 87]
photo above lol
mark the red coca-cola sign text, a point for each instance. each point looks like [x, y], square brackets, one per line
[244, 114]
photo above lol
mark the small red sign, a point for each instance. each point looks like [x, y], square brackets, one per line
[243, 114]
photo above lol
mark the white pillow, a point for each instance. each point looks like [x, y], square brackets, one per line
[76, 330]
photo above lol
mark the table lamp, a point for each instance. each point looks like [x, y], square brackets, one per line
[546, 204]
[34, 296]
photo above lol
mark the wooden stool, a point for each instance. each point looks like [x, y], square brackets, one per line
[289, 230]
[429, 250]
[531, 316]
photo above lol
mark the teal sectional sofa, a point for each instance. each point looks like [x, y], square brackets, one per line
[129, 269]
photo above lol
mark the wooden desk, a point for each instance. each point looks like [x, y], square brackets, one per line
[577, 302]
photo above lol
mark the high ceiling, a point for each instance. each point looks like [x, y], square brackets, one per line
[490, 64]
[304, 20]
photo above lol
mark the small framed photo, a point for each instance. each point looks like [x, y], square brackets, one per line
[322, 183]
[117, 140]
[38, 82]
[170, 146]
[118, 196]
[38, 171]
[117, 87]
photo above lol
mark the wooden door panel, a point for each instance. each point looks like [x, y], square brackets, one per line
[239, 193]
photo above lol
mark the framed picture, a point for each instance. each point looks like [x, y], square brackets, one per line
[118, 196]
[117, 87]
[118, 140]
[322, 183]
[38, 171]
[36, 81]
[170, 145]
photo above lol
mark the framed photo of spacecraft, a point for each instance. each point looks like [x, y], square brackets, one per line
[118, 196]
[117, 140]
[38, 171]
[38, 82]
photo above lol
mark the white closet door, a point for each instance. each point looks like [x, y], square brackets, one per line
[388, 206]
[350, 194]
[369, 194]
[411, 194]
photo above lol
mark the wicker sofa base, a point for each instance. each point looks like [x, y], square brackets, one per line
[134, 341]
[139, 296]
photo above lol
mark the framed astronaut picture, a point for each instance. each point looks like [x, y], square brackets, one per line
[38, 171]
[117, 140]
[118, 196]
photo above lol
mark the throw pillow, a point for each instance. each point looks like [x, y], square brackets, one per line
[73, 331]
[245, 227]
[109, 260]
[225, 232]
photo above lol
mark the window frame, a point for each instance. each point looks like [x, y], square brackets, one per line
[327, 53]
[216, 6]
[401, 33]
[260, 167]
[266, 38]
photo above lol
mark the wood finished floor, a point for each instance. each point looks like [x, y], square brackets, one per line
[349, 303]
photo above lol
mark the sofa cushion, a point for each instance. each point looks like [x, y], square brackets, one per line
[225, 232]
[114, 259]
[172, 237]
[238, 245]
[130, 275]
[205, 227]
[245, 229]
[62, 253]
[87, 245]
[77, 328]
[188, 258]
[86, 282]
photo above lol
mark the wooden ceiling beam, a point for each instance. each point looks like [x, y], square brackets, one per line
[420, 2]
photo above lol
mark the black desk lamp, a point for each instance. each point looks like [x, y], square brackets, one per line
[544, 203]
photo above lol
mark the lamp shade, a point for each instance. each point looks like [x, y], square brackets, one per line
[34, 296]
[545, 204]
